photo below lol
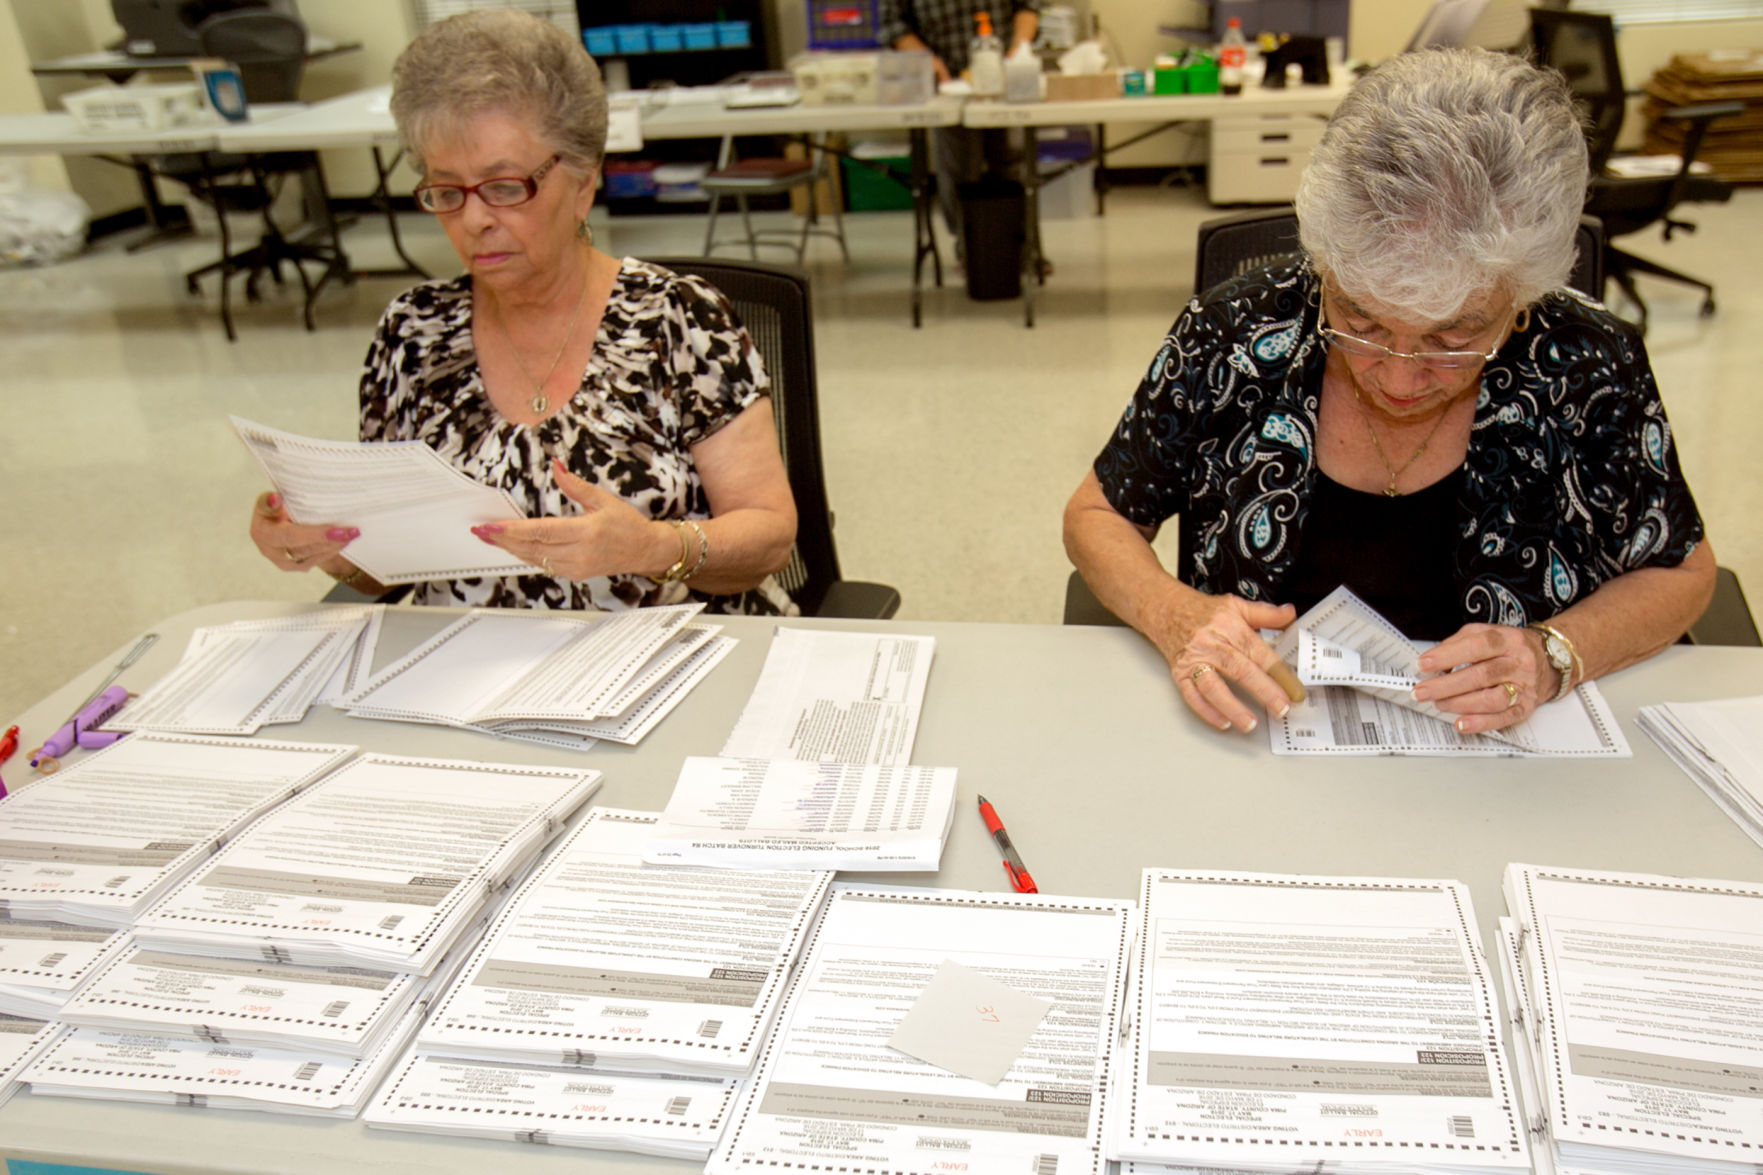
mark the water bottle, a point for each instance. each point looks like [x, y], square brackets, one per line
[1231, 52]
[985, 58]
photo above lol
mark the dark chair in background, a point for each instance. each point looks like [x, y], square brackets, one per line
[774, 306]
[1582, 46]
[772, 176]
[1231, 245]
[269, 50]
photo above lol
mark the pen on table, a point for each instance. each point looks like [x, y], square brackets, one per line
[8, 744]
[1020, 881]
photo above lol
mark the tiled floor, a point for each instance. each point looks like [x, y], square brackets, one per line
[950, 449]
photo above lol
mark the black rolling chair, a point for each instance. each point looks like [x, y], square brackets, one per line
[269, 50]
[774, 306]
[1231, 245]
[1582, 46]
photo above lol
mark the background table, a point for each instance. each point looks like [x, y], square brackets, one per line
[1078, 737]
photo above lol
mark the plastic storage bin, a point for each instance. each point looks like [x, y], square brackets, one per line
[632, 38]
[602, 42]
[629, 179]
[666, 38]
[698, 36]
[868, 191]
[137, 108]
[842, 24]
[734, 34]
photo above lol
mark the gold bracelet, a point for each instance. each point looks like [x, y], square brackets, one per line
[1575, 671]
[685, 552]
[347, 580]
[703, 549]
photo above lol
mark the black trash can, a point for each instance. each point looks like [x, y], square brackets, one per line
[991, 237]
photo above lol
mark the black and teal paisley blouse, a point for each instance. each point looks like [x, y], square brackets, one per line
[1570, 480]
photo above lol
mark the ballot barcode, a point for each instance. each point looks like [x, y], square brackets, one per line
[1336, 654]
[391, 923]
[710, 1028]
[335, 1008]
[307, 1071]
[536, 1137]
[197, 1100]
[677, 1106]
[1046, 1165]
[1462, 1125]
[117, 882]
[52, 960]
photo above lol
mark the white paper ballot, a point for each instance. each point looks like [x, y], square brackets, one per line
[829, 1092]
[381, 865]
[42, 961]
[603, 962]
[968, 1023]
[1644, 1015]
[21, 1040]
[97, 841]
[1719, 744]
[1280, 1019]
[1362, 671]
[793, 814]
[835, 697]
[675, 1117]
[415, 512]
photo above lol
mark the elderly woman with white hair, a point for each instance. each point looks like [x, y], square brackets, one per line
[1416, 408]
[622, 406]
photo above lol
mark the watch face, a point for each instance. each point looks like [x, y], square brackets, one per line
[1559, 657]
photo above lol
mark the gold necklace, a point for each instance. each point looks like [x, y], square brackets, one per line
[539, 403]
[1390, 491]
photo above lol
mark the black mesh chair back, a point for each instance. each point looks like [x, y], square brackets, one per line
[1233, 245]
[1582, 47]
[773, 303]
[269, 49]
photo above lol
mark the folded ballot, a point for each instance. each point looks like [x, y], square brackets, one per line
[383, 865]
[99, 841]
[602, 962]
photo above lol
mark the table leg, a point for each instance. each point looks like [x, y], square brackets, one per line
[162, 226]
[1031, 224]
[382, 196]
[924, 238]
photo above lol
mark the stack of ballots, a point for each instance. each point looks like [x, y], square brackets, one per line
[1718, 744]
[290, 971]
[238, 678]
[612, 1005]
[557, 680]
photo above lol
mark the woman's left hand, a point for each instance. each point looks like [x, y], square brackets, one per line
[608, 537]
[1491, 675]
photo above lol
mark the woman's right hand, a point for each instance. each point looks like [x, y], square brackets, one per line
[1213, 643]
[296, 547]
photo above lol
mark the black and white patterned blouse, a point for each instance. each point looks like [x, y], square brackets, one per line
[1570, 480]
[671, 365]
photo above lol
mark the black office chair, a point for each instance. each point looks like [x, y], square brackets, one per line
[1582, 46]
[774, 306]
[1232, 245]
[269, 50]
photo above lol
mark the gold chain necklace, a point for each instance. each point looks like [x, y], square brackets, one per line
[1390, 491]
[539, 403]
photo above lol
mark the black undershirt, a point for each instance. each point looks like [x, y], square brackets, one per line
[1394, 553]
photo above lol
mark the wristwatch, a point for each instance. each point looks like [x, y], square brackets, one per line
[1562, 656]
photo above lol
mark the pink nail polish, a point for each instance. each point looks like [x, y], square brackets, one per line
[342, 534]
[489, 528]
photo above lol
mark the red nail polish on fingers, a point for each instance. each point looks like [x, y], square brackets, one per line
[342, 534]
[274, 502]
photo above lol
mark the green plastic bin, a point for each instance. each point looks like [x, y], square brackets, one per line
[867, 191]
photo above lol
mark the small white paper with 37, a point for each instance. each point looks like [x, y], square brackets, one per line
[968, 1023]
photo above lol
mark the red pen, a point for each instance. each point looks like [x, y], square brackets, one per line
[8, 743]
[1020, 881]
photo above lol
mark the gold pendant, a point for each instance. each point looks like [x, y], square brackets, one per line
[1392, 491]
[540, 403]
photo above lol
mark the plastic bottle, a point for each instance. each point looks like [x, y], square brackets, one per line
[985, 58]
[1022, 76]
[1232, 51]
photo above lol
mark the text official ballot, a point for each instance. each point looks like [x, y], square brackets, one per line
[829, 1093]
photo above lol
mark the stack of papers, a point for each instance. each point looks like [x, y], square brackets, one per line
[791, 814]
[238, 678]
[604, 962]
[1362, 672]
[559, 680]
[383, 865]
[1286, 1023]
[1720, 746]
[1635, 1011]
[835, 697]
[98, 842]
[42, 961]
[22, 1039]
[414, 511]
[1016, 997]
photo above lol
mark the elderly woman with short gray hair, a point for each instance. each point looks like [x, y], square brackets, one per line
[1416, 408]
[622, 406]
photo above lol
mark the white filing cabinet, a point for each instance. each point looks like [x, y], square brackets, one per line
[1257, 160]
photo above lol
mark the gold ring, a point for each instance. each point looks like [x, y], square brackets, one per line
[1199, 671]
[292, 558]
[546, 564]
[1511, 694]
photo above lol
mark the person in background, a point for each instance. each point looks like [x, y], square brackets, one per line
[1417, 408]
[946, 27]
[622, 406]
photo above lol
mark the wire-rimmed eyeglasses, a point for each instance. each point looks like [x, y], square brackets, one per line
[504, 191]
[1366, 349]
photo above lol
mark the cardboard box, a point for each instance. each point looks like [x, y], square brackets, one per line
[1083, 87]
